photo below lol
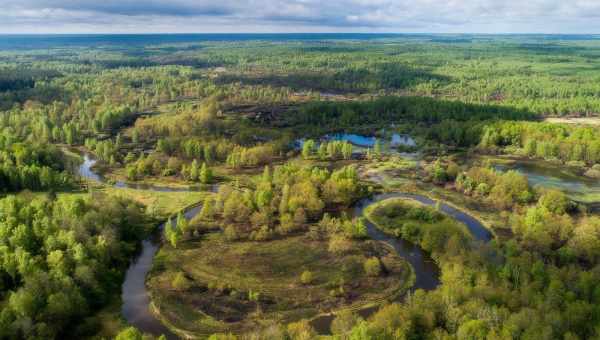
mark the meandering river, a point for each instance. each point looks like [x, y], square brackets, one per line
[86, 171]
[136, 299]
[426, 270]
[136, 307]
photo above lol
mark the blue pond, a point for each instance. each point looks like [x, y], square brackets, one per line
[369, 141]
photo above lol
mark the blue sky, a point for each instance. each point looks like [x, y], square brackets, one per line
[273, 16]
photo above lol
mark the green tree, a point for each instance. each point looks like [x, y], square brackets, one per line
[555, 201]
[473, 330]
[377, 149]
[308, 148]
[347, 150]
[372, 266]
[194, 174]
[182, 223]
[307, 277]
[208, 209]
[172, 233]
[129, 333]
[344, 322]
[205, 174]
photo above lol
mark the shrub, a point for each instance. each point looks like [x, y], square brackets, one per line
[555, 201]
[338, 244]
[286, 224]
[372, 266]
[306, 278]
[263, 234]
[180, 282]
[344, 322]
[130, 333]
[230, 233]
[355, 228]
[301, 330]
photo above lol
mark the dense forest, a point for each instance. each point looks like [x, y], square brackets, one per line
[62, 259]
[269, 159]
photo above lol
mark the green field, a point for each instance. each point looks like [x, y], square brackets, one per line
[221, 274]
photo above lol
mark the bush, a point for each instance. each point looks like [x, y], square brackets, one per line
[263, 234]
[180, 282]
[593, 173]
[372, 266]
[355, 228]
[344, 322]
[338, 244]
[555, 201]
[306, 278]
[286, 224]
[130, 333]
[230, 233]
[301, 330]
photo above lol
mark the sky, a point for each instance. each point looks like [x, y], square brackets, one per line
[290, 16]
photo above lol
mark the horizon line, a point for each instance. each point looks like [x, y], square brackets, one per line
[293, 33]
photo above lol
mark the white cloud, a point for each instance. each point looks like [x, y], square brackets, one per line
[486, 16]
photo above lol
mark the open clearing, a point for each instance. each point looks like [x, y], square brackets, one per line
[221, 276]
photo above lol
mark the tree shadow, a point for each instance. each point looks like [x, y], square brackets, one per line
[399, 109]
[371, 78]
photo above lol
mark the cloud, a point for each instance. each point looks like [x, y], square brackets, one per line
[129, 7]
[486, 16]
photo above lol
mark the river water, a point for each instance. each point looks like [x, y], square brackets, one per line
[136, 307]
[135, 296]
[426, 270]
[86, 171]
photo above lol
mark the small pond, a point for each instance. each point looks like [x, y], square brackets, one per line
[579, 188]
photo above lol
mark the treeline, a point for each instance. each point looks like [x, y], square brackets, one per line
[31, 166]
[544, 220]
[503, 190]
[370, 77]
[100, 102]
[285, 201]
[331, 150]
[62, 260]
[578, 145]
[15, 79]
[157, 166]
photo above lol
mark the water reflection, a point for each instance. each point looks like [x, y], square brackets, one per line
[369, 141]
[554, 177]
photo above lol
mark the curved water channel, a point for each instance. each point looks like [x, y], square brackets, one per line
[136, 307]
[136, 300]
[86, 171]
[426, 270]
